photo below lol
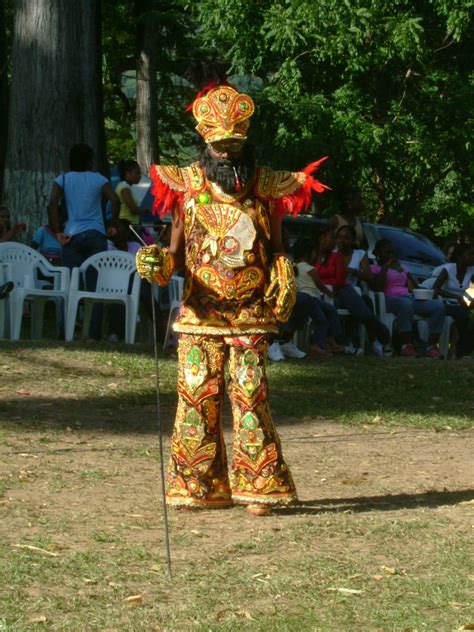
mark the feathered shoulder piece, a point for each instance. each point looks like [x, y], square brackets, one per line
[171, 184]
[290, 191]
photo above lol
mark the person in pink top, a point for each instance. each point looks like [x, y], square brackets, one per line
[396, 282]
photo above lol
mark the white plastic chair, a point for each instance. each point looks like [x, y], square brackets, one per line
[175, 286]
[114, 270]
[25, 266]
[5, 275]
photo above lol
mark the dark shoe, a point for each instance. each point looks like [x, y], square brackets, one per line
[5, 289]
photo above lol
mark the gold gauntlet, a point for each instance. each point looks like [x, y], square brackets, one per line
[155, 264]
[281, 293]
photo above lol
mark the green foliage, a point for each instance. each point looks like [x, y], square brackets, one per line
[385, 88]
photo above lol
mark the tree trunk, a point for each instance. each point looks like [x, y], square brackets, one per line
[55, 99]
[147, 89]
[3, 92]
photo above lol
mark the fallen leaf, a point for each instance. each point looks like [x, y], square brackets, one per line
[377, 577]
[347, 591]
[36, 549]
[39, 619]
[244, 613]
[468, 626]
[156, 568]
[389, 569]
[134, 600]
[112, 385]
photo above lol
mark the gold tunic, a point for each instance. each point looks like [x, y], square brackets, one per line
[227, 249]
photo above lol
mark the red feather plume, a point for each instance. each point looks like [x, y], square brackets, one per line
[301, 198]
[165, 199]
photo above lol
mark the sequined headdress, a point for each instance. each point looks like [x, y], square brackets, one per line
[223, 113]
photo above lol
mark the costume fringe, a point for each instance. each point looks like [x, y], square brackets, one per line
[301, 198]
[165, 198]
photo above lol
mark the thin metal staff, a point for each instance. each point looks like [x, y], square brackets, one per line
[158, 417]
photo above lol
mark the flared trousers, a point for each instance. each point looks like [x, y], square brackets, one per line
[198, 473]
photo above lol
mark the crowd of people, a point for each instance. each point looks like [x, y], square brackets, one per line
[332, 273]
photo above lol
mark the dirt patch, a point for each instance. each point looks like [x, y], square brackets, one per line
[101, 487]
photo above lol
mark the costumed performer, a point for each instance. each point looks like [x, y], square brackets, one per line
[226, 234]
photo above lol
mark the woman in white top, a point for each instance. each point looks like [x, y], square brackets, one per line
[452, 280]
[356, 260]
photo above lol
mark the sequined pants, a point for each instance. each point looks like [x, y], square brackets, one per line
[198, 473]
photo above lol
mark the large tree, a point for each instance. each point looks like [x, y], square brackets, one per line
[55, 99]
[385, 87]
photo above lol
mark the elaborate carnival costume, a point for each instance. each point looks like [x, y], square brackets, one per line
[235, 290]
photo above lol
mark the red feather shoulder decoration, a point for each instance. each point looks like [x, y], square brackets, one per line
[294, 203]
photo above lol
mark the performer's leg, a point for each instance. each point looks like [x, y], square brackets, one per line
[197, 473]
[259, 472]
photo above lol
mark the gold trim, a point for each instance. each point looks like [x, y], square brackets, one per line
[284, 499]
[222, 331]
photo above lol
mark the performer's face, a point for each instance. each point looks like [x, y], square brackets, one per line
[229, 163]
[226, 149]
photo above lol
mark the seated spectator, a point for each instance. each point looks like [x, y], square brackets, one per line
[326, 324]
[332, 271]
[352, 205]
[448, 249]
[120, 237]
[356, 260]
[46, 242]
[396, 282]
[129, 174]
[451, 282]
[7, 231]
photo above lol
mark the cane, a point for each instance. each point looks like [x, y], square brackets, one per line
[158, 420]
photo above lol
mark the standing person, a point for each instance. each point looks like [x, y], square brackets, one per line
[7, 231]
[129, 174]
[352, 206]
[227, 215]
[395, 281]
[84, 229]
[82, 189]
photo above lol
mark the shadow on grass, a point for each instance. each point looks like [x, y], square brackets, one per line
[387, 502]
[352, 390]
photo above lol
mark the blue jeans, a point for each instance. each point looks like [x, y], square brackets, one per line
[406, 307]
[322, 314]
[79, 248]
[348, 298]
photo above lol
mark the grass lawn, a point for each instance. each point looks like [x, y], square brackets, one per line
[381, 451]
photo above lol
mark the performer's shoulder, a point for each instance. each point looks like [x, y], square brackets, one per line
[179, 178]
[275, 184]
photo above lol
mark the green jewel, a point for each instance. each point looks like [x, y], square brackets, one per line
[204, 198]
[194, 356]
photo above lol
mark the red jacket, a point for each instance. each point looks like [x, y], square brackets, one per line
[333, 270]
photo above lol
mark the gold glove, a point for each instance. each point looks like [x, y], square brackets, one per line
[281, 293]
[155, 264]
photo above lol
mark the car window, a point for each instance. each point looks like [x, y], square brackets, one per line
[301, 226]
[411, 246]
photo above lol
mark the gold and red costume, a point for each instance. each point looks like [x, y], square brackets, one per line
[235, 290]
